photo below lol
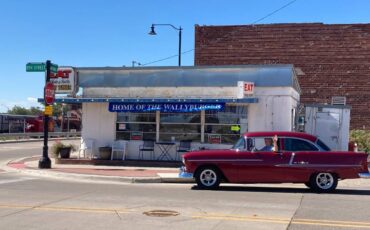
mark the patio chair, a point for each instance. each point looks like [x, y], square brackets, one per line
[119, 146]
[183, 148]
[87, 148]
[147, 146]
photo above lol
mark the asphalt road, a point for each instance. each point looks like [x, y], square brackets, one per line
[28, 202]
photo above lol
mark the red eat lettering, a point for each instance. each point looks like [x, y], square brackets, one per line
[61, 74]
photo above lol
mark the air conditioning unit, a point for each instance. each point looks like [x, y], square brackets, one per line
[336, 100]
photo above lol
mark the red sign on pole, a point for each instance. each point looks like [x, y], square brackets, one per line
[49, 93]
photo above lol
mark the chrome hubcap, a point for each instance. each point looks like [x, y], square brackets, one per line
[324, 180]
[208, 177]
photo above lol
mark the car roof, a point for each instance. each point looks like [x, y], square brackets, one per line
[281, 134]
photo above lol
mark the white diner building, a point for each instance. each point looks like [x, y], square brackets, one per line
[211, 106]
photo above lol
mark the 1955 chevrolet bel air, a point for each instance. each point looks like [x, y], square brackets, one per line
[275, 157]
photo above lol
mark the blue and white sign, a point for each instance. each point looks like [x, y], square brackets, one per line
[164, 107]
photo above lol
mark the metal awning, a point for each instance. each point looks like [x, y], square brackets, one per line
[153, 100]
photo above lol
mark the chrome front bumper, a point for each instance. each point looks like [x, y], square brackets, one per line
[364, 175]
[184, 174]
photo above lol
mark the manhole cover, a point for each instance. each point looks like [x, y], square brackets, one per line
[161, 213]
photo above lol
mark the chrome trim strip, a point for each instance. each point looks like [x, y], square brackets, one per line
[297, 164]
[228, 160]
[364, 175]
[291, 159]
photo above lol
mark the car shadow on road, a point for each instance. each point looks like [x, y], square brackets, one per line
[284, 190]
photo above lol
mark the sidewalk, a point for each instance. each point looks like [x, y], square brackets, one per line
[127, 174]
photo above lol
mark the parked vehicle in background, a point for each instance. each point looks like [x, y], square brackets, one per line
[36, 124]
[10, 123]
[298, 158]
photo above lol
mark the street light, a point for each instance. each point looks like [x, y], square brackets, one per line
[152, 32]
[135, 62]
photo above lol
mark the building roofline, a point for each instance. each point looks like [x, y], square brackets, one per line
[185, 67]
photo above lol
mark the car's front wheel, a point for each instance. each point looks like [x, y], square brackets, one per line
[208, 178]
[323, 182]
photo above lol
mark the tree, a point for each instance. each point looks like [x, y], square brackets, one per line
[19, 110]
[59, 109]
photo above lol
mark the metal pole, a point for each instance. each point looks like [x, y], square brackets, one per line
[180, 46]
[68, 124]
[44, 162]
[61, 125]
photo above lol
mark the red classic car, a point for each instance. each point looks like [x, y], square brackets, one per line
[275, 157]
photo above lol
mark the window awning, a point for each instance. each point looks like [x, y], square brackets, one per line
[69, 100]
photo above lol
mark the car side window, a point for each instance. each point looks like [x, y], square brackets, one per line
[240, 144]
[292, 144]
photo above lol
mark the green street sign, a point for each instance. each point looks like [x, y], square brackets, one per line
[35, 67]
[53, 68]
[235, 128]
[40, 67]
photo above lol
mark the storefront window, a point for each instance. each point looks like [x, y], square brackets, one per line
[180, 126]
[225, 126]
[135, 126]
[220, 127]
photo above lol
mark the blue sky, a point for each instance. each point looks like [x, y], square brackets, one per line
[115, 33]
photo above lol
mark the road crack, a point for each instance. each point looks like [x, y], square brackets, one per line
[295, 213]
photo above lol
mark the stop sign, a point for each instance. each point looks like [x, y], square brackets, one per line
[49, 93]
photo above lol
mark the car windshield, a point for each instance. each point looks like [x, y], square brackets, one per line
[240, 144]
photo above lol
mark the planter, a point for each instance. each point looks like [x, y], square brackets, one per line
[105, 153]
[65, 152]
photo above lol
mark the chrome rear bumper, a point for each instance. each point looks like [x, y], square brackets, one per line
[364, 175]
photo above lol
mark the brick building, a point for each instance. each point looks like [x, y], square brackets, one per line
[332, 59]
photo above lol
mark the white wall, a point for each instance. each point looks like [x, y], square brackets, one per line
[273, 110]
[98, 123]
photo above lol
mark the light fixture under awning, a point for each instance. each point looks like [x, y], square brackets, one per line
[153, 100]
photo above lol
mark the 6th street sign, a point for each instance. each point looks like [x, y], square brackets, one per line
[40, 67]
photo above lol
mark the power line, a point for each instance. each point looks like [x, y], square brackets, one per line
[163, 59]
[275, 11]
[264, 17]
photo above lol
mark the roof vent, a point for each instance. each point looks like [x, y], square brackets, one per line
[336, 100]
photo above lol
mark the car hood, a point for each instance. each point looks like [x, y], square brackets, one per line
[209, 154]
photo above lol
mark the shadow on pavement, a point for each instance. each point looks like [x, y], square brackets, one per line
[284, 190]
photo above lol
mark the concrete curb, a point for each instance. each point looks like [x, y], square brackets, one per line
[87, 177]
[38, 140]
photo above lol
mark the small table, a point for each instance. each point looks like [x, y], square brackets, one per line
[165, 147]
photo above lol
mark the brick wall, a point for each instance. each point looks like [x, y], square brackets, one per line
[335, 58]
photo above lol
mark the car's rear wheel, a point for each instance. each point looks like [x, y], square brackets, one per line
[323, 182]
[208, 178]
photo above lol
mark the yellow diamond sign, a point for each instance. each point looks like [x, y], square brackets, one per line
[48, 110]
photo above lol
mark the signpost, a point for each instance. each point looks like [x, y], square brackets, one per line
[49, 97]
